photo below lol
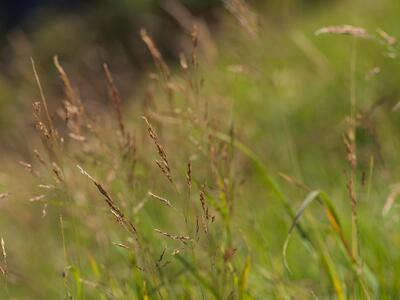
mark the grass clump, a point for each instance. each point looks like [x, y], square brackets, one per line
[236, 179]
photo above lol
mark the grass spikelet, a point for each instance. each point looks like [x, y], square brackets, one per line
[163, 200]
[115, 98]
[351, 157]
[162, 255]
[390, 40]
[44, 210]
[57, 171]
[120, 217]
[39, 125]
[39, 157]
[205, 218]
[68, 89]
[121, 245]
[37, 198]
[189, 175]
[73, 105]
[3, 250]
[163, 163]
[182, 238]
[29, 168]
[394, 193]
[183, 62]
[155, 53]
[354, 31]
[52, 131]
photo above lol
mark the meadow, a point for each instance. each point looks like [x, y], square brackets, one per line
[261, 164]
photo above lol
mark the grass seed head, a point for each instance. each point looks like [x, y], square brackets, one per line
[354, 31]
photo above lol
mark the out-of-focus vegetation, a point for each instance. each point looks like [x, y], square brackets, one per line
[265, 166]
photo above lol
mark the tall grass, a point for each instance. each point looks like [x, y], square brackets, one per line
[189, 194]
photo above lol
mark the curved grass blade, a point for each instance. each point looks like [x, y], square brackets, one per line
[78, 282]
[244, 278]
[326, 258]
[330, 268]
[268, 181]
[310, 197]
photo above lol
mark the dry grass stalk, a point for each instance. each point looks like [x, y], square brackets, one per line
[183, 62]
[184, 239]
[44, 210]
[176, 252]
[73, 106]
[39, 157]
[390, 40]
[37, 198]
[57, 171]
[189, 175]
[197, 226]
[163, 200]
[46, 186]
[187, 20]
[39, 125]
[184, 65]
[121, 245]
[163, 163]
[120, 217]
[245, 16]
[350, 187]
[394, 193]
[155, 53]
[350, 144]
[294, 182]
[206, 216]
[195, 41]
[29, 168]
[52, 131]
[68, 89]
[354, 31]
[162, 255]
[115, 98]
[77, 137]
[3, 250]
[140, 205]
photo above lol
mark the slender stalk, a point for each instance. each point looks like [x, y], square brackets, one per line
[353, 125]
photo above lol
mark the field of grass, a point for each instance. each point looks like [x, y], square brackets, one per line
[267, 169]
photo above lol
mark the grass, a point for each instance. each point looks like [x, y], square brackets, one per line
[268, 171]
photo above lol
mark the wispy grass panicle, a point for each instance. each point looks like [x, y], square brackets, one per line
[163, 164]
[351, 30]
[39, 125]
[115, 98]
[182, 238]
[115, 210]
[4, 268]
[244, 14]
[156, 54]
[51, 131]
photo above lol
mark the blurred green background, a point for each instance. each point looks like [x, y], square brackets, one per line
[286, 92]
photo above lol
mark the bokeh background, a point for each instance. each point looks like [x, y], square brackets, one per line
[266, 75]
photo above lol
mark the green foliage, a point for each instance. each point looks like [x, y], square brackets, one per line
[249, 154]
